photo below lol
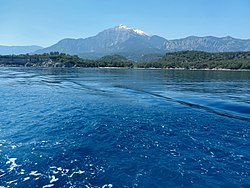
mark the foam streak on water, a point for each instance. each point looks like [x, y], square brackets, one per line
[104, 128]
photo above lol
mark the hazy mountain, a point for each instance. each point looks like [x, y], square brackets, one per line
[209, 44]
[135, 44]
[9, 50]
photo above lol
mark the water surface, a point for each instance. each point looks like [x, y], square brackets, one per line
[124, 128]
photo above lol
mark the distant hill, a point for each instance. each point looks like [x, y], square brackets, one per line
[201, 60]
[181, 60]
[8, 50]
[114, 61]
[136, 44]
[55, 59]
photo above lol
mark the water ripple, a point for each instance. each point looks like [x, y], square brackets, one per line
[106, 128]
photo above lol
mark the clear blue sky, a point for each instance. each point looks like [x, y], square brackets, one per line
[44, 22]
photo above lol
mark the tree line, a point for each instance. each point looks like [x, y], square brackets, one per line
[201, 60]
[56, 59]
[182, 59]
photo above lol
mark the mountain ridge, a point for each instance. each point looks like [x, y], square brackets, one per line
[134, 43]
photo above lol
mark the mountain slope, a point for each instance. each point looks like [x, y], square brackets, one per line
[15, 50]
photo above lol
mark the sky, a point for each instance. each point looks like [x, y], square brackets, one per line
[45, 22]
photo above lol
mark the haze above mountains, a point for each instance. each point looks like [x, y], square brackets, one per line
[132, 43]
[7, 50]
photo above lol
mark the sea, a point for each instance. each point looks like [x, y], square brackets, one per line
[124, 128]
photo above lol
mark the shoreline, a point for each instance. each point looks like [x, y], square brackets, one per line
[151, 68]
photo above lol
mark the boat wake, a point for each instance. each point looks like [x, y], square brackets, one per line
[216, 110]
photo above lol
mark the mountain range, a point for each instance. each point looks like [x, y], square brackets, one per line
[137, 44]
[15, 50]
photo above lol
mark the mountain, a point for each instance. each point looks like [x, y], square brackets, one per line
[208, 44]
[118, 40]
[15, 50]
[136, 44]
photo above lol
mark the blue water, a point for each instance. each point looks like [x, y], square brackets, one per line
[124, 128]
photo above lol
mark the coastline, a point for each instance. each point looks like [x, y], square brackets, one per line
[138, 68]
